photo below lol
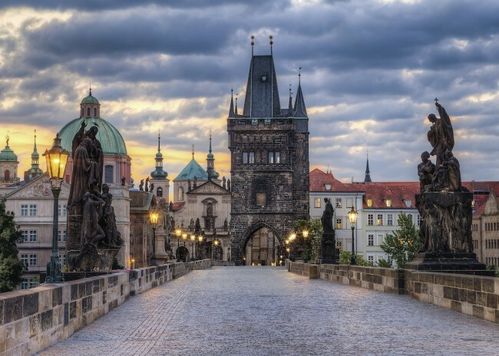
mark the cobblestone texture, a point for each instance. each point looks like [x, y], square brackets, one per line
[265, 310]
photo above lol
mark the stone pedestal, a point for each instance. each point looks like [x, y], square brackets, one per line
[446, 234]
[160, 256]
[328, 248]
[91, 259]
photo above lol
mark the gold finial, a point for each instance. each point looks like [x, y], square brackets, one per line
[192, 151]
[7, 138]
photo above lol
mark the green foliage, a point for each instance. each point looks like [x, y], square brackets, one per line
[307, 248]
[346, 258]
[11, 268]
[494, 269]
[384, 263]
[403, 245]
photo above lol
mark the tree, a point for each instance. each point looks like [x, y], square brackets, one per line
[311, 245]
[346, 259]
[11, 268]
[403, 244]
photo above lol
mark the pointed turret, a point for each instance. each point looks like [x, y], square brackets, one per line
[236, 111]
[367, 178]
[210, 163]
[300, 108]
[231, 107]
[290, 104]
[159, 173]
[35, 170]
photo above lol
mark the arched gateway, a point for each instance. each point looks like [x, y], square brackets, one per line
[262, 247]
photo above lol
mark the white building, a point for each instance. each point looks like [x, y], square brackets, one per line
[378, 205]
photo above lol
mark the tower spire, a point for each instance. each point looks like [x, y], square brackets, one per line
[210, 163]
[290, 105]
[367, 177]
[192, 151]
[231, 107]
[271, 44]
[300, 108]
[210, 143]
[235, 109]
[252, 45]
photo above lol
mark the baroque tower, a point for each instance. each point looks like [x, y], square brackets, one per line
[159, 177]
[269, 167]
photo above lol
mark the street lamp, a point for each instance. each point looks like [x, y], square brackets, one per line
[305, 233]
[193, 238]
[153, 219]
[352, 217]
[56, 157]
[178, 234]
[198, 249]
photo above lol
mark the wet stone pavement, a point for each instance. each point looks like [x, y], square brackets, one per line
[268, 311]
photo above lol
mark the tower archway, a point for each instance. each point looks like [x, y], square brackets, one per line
[262, 246]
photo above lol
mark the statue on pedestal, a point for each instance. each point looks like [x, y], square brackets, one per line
[444, 205]
[328, 241]
[93, 238]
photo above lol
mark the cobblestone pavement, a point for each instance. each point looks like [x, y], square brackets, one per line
[265, 310]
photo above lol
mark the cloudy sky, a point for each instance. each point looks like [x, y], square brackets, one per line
[370, 72]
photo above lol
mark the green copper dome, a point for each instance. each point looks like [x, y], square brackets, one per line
[7, 155]
[109, 137]
[90, 99]
[193, 169]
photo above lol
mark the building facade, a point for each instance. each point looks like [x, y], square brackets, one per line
[269, 149]
[485, 227]
[8, 165]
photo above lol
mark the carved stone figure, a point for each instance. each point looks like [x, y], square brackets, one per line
[228, 184]
[147, 184]
[91, 231]
[88, 163]
[425, 171]
[224, 182]
[151, 189]
[327, 217]
[141, 185]
[108, 220]
[123, 181]
[441, 134]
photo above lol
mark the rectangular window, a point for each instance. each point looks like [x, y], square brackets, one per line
[379, 220]
[339, 223]
[389, 219]
[261, 199]
[24, 210]
[61, 210]
[338, 202]
[245, 157]
[380, 239]
[25, 260]
[108, 174]
[271, 158]
[24, 236]
[278, 157]
[370, 219]
[370, 240]
[32, 210]
[61, 235]
[420, 220]
[24, 284]
[370, 259]
[349, 202]
[32, 236]
[317, 203]
[33, 260]
[251, 158]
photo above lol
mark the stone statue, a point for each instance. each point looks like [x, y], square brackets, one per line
[108, 220]
[441, 134]
[147, 184]
[223, 182]
[228, 184]
[328, 241]
[91, 232]
[425, 171]
[123, 181]
[170, 207]
[226, 225]
[88, 164]
[444, 205]
[197, 226]
[327, 217]
[151, 189]
[141, 185]
[189, 185]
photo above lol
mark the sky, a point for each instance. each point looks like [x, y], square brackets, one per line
[370, 72]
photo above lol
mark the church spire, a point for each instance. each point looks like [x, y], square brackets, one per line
[210, 163]
[231, 108]
[367, 178]
[290, 104]
[159, 172]
[300, 108]
[235, 106]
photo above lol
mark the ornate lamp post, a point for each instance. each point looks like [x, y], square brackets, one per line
[56, 158]
[178, 234]
[153, 220]
[200, 239]
[193, 239]
[352, 217]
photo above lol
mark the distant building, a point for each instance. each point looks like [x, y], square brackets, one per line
[35, 170]
[269, 167]
[485, 227]
[159, 177]
[8, 166]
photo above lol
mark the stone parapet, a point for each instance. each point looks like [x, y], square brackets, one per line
[31, 320]
[305, 269]
[469, 294]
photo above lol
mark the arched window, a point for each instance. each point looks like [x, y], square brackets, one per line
[180, 193]
[95, 112]
[209, 209]
[88, 112]
[81, 112]
[6, 175]
[108, 174]
[159, 192]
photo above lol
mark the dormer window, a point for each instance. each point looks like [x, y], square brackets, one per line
[327, 186]
[408, 203]
[388, 203]
[369, 203]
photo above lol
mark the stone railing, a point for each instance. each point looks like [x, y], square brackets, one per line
[33, 319]
[305, 269]
[469, 294]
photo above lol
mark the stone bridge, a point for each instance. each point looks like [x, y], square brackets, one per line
[266, 310]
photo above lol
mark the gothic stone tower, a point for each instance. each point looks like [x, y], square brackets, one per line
[269, 167]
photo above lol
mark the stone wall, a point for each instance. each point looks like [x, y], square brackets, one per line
[31, 320]
[468, 294]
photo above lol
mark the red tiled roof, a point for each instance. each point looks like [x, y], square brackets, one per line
[176, 206]
[379, 192]
[479, 204]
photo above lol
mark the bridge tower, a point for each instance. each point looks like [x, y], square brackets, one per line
[269, 148]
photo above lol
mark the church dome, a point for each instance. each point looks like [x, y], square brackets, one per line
[109, 137]
[7, 155]
[90, 99]
[191, 171]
